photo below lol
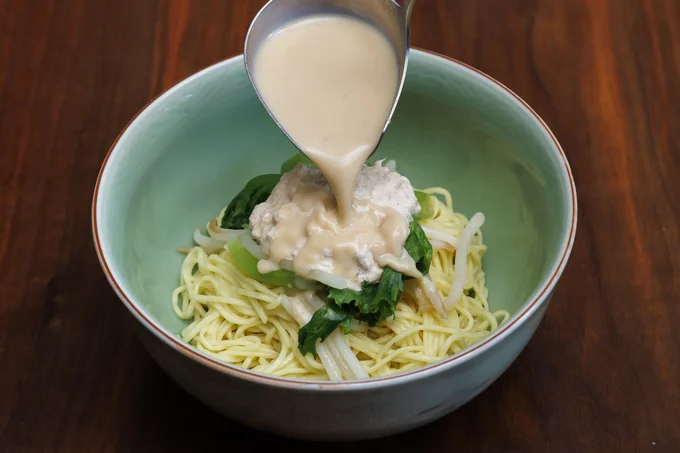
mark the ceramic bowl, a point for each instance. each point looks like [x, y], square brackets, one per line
[193, 148]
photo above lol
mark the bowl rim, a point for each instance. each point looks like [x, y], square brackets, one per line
[529, 307]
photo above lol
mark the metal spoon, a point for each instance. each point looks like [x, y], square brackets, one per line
[388, 16]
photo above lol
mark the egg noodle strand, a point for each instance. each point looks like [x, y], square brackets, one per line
[242, 322]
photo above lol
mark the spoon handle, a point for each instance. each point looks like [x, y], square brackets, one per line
[408, 10]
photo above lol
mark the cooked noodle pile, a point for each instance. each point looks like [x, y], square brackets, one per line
[243, 322]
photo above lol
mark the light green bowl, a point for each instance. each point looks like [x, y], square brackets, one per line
[191, 150]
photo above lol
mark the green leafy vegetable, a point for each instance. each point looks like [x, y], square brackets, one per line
[375, 302]
[255, 192]
[426, 207]
[324, 321]
[247, 263]
[291, 163]
[418, 246]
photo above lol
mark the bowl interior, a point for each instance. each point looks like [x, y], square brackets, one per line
[194, 148]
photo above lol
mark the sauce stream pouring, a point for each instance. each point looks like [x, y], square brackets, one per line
[330, 73]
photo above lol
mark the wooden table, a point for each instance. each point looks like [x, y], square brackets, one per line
[603, 371]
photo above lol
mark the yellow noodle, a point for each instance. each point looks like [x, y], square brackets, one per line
[242, 322]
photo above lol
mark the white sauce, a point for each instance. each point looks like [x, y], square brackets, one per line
[298, 225]
[330, 81]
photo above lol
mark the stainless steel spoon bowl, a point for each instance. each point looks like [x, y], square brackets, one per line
[390, 17]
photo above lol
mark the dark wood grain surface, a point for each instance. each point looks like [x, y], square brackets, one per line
[602, 373]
